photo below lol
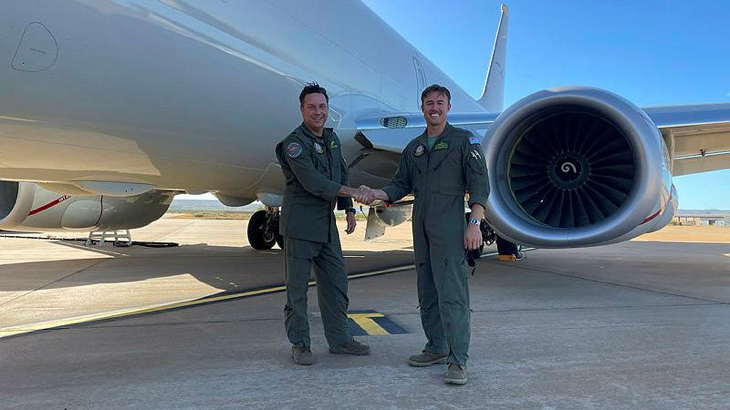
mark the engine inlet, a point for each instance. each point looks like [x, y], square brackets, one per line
[570, 167]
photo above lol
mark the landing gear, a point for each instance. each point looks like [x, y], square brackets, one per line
[263, 229]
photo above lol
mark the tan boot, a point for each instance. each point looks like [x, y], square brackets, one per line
[302, 355]
[456, 374]
[427, 359]
[354, 348]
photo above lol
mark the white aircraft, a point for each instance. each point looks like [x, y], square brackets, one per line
[108, 108]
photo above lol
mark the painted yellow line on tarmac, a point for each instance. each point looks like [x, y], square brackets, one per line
[2, 117]
[60, 323]
[367, 324]
[35, 327]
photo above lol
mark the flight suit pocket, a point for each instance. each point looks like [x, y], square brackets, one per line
[454, 289]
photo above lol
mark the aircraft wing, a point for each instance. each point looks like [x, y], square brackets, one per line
[697, 136]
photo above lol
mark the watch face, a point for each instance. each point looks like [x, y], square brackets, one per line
[474, 221]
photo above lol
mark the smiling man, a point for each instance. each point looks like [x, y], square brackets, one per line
[440, 167]
[316, 181]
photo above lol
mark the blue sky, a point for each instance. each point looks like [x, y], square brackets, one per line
[650, 52]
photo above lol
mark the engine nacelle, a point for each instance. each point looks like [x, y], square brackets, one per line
[25, 206]
[572, 167]
[393, 215]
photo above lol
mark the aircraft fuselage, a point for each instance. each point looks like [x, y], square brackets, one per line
[191, 95]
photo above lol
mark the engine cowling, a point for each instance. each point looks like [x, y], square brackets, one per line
[25, 206]
[574, 167]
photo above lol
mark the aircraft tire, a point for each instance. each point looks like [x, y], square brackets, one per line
[257, 235]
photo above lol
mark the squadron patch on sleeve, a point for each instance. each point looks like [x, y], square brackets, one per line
[474, 139]
[294, 149]
[333, 144]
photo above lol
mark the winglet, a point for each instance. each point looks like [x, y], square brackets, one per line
[492, 97]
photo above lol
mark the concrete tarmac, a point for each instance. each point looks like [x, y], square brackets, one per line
[633, 325]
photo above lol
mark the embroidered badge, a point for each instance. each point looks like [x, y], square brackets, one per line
[420, 149]
[476, 155]
[441, 145]
[318, 147]
[294, 149]
[333, 144]
[473, 140]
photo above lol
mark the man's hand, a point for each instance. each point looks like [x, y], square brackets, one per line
[364, 195]
[351, 223]
[473, 237]
[378, 194]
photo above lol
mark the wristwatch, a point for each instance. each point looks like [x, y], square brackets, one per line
[473, 221]
[350, 210]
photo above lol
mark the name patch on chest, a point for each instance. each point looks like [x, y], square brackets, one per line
[441, 145]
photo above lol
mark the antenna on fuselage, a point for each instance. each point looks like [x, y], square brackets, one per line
[492, 98]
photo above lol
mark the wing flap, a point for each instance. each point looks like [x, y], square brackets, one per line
[698, 136]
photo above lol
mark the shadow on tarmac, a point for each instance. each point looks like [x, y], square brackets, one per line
[228, 268]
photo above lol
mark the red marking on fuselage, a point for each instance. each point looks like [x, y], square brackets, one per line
[49, 205]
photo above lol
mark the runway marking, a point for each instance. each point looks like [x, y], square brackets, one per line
[372, 323]
[186, 303]
[366, 323]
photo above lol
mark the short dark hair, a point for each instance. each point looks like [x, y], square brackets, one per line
[435, 88]
[313, 88]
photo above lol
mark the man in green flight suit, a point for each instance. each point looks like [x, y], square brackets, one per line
[316, 180]
[439, 167]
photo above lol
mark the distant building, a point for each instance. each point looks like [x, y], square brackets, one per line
[702, 220]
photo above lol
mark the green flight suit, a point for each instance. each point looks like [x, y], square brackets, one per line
[439, 180]
[314, 171]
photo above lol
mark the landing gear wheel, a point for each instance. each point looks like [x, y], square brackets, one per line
[261, 236]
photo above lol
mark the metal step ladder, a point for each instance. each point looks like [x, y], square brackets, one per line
[120, 238]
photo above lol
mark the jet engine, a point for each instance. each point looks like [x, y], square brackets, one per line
[25, 206]
[572, 167]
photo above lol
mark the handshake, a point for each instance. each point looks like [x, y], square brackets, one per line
[366, 195]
